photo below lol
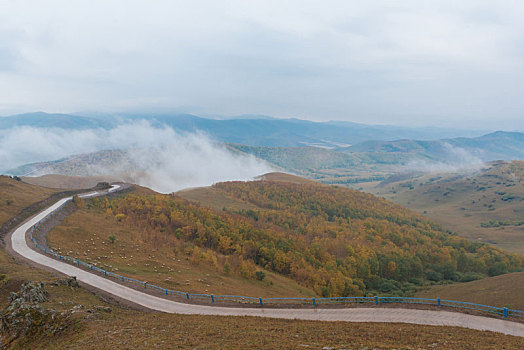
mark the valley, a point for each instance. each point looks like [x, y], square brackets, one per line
[261, 175]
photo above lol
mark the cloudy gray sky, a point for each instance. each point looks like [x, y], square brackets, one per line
[442, 63]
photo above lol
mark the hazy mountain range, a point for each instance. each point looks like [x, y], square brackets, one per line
[254, 130]
[332, 152]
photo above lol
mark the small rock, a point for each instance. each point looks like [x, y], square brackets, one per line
[103, 308]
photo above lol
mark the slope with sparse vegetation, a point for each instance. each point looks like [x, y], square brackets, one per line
[95, 320]
[485, 206]
[334, 241]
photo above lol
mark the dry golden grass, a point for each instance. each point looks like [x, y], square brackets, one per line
[132, 330]
[17, 195]
[67, 182]
[461, 202]
[217, 200]
[211, 197]
[123, 328]
[283, 177]
[504, 290]
[146, 257]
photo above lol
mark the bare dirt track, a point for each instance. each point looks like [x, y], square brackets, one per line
[19, 245]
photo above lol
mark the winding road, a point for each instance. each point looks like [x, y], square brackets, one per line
[19, 245]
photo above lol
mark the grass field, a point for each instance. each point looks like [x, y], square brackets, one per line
[502, 291]
[130, 329]
[67, 182]
[126, 328]
[136, 254]
[199, 332]
[16, 195]
[218, 200]
[462, 202]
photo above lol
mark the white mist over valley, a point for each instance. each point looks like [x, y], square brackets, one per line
[156, 157]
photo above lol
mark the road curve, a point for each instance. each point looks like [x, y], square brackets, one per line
[20, 246]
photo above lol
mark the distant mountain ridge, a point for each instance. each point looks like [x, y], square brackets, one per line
[45, 120]
[364, 162]
[251, 130]
[499, 145]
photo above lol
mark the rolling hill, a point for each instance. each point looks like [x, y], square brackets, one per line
[502, 291]
[499, 145]
[93, 315]
[330, 239]
[484, 205]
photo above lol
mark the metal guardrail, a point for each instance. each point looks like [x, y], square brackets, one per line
[376, 300]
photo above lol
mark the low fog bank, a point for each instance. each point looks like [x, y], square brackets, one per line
[451, 159]
[159, 158]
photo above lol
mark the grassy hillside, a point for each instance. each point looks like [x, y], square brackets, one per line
[158, 258]
[16, 195]
[107, 163]
[485, 206]
[127, 328]
[67, 182]
[146, 330]
[218, 200]
[503, 291]
[333, 240]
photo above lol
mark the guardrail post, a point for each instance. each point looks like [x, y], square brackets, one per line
[166, 292]
[438, 301]
[376, 300]
[212, 298]
[506, 312]
[261, 302]
[91, 267]
[187, 296]
[314, 302]
[105, 272]
[145, 285]
[60, 257]
[123, 279]
[78, 262]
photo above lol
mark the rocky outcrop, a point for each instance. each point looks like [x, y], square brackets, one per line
[69, 281]
[24, 318]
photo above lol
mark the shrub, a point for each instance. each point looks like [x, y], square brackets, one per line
[325, 291]
[471, 276]
[433, 275]
[498, 268]
[3, 278]
[260, 275]
[227, 268]
[112, 238]
[388, 286]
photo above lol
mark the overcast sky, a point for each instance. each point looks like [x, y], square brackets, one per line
[445, 63]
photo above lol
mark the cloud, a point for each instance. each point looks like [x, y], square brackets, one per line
[159, 158]
[380, 61]
[452, 159]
